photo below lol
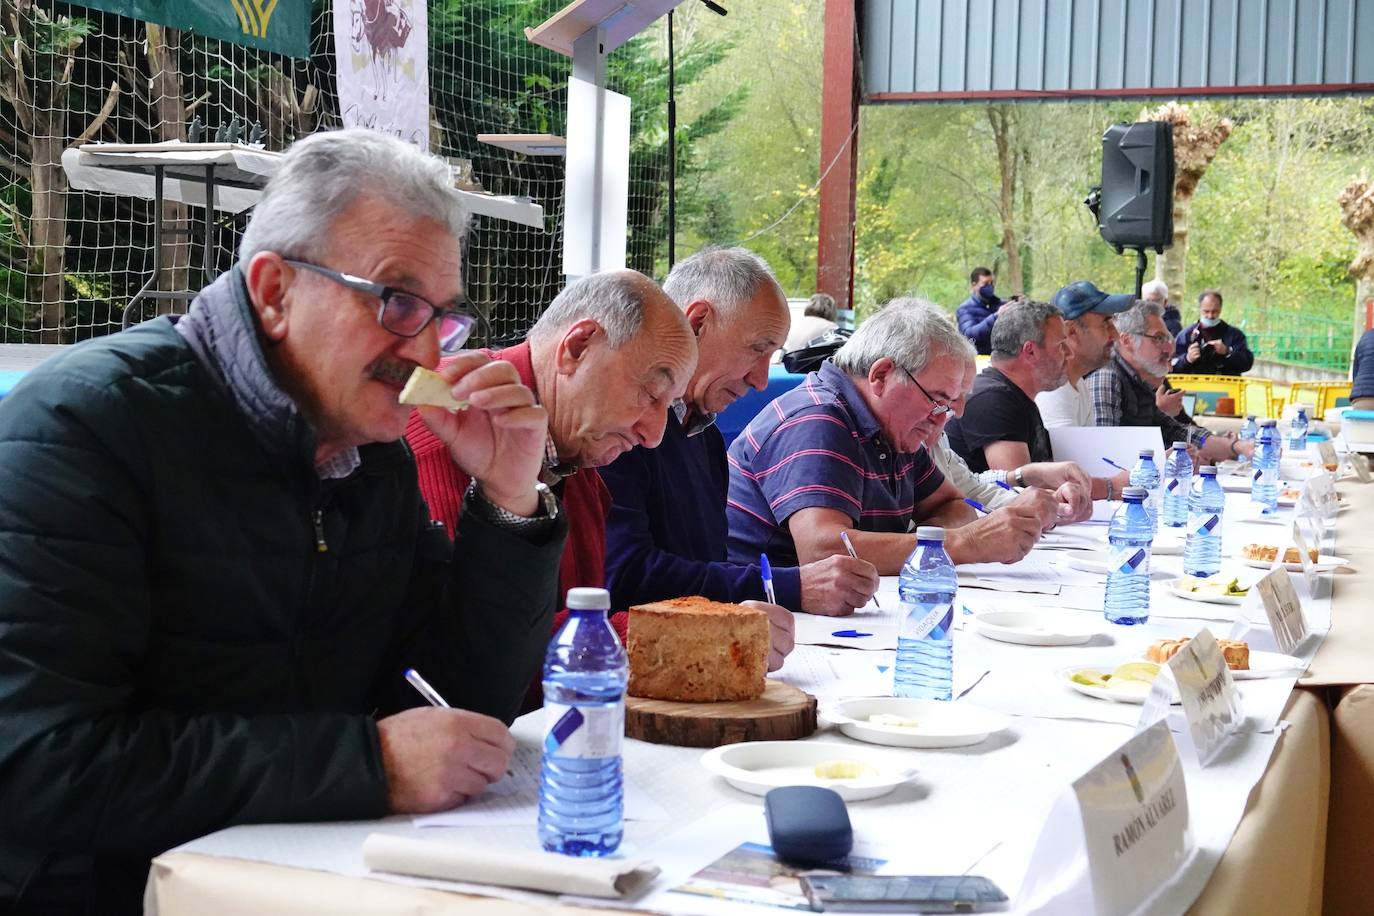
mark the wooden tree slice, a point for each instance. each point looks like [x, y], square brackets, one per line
[781, 714]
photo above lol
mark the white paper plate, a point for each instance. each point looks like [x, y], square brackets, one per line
[1135, 693]
[757, 766]
[1268, 664]
[939, 723]
[1085, 561]
[1325, 563]
[1174, 589]
[1168, 542]
[1234, 483]
[1036, 628]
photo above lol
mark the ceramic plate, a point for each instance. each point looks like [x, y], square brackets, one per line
[1036, 628]
[757, 766]
[1204, 597]
[1085, 562]
[1133, 692]
[1168, 542]
[1324, 563]
[938, 723]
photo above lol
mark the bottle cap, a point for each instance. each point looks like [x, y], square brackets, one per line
[930, 533]
[1147, 453]
[1249, 416]
[589, 599]
[1135, 493]
[1208, 471]
[1182, 445]
[1270, 423]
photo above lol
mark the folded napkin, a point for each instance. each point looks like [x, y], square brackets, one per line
[478, 864]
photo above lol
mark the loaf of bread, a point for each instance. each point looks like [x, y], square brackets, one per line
[1267, 553]
[696, 650]
[1236, 652]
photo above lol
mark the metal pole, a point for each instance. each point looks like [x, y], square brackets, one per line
[672, 150]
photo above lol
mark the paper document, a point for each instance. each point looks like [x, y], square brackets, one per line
[1086, 446]
[515, 799]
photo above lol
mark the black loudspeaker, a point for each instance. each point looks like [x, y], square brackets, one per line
[1138, 186]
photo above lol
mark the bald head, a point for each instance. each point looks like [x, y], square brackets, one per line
[610, 354]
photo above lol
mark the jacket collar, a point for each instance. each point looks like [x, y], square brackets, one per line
[222, 331]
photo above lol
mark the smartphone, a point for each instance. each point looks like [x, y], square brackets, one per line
[902, 893]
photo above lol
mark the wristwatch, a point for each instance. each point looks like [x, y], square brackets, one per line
[1018, 478]
[504, 518]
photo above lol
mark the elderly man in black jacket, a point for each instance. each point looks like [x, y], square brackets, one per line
[215, 563]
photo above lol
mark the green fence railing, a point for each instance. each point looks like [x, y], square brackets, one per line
[1295, 337]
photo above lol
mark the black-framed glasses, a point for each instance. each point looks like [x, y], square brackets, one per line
[936, 408]
[1158, 339]
[401, 313]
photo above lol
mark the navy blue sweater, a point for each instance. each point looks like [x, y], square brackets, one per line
[666, 536]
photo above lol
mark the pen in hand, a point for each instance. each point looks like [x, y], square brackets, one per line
[979, 507]
[422, 687]
[1005, 486]
[849, 548]
[766, 573]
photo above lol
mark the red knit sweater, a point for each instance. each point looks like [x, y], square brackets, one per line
[585, 500]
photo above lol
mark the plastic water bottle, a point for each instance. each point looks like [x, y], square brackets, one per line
[1178, 477]
[581, 785]
[1249, 429]
[925, 643]
[1128, 565]
[1264, 482]
[1297, 432]
[1206, 502]
[1146, 474]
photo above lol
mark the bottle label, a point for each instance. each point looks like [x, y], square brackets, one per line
[1130, 560]
[1204, 524]
[584, 732]
[1172, 485]
[940, 615]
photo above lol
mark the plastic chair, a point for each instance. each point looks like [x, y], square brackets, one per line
[1324, 395]
[1251, 395]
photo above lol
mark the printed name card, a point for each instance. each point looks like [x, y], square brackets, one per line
[1361, 465]
[1134, 806]
[1284, 610]
[1319, 492]
[1327, 452]
[1309, 568]
[1211, 703]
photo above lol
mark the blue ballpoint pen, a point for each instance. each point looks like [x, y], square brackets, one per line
[423, 688]
[1005, 486]
[766, 572]
[977, 505]
[1115, 465]
[844, 536]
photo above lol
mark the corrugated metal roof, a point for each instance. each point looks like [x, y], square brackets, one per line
[950, 50]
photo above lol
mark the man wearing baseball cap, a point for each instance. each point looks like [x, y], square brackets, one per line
[1090, 334]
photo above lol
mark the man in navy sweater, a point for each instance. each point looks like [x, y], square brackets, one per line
[666, 536]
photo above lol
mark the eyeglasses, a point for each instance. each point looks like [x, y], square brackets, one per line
[936, 408]
[403, 314]
[1157, 339]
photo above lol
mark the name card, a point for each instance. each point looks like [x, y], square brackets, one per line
[1319, 496]
[1361, 465]
[1284, 610]
[1327, 452]
[1134, 806]
[1309, 568]
[1211, 703]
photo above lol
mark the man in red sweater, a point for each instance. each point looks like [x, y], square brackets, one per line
[606, 359]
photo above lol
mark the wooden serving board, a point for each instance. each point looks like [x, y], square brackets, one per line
[781, 714]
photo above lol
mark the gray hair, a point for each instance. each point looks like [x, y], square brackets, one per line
[725, 277]
[1155, 286]
[613, 299]
[1132, 321]
[911, 332]
[822, 305]
[1019, 323]
[323, 174]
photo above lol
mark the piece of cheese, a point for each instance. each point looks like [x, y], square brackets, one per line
[426, 387]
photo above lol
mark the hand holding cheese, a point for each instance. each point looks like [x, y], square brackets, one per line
[427, 387]
[499, 439]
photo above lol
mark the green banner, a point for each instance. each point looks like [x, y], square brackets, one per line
[282, 26]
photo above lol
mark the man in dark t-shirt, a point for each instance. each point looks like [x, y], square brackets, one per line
[1001, 426]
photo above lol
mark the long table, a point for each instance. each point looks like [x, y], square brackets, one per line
[1274, 862]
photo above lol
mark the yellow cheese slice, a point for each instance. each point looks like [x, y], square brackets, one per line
[426, 387]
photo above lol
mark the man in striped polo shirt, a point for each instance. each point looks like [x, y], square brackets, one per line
[844, 452]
